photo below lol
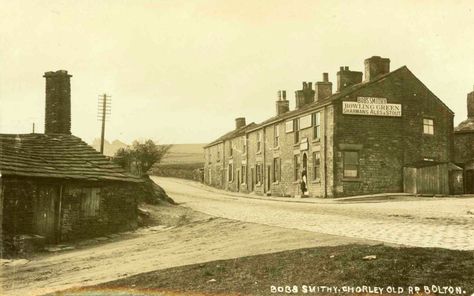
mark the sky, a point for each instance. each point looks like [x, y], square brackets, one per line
[182, 71]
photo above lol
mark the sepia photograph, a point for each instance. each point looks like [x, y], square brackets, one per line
[236, 147]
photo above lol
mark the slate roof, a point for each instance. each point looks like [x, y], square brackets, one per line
[467, 126]
[56, 156]
[329, 100]
[340, 95]
[232, 134]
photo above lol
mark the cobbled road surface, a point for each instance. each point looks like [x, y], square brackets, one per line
[411, 221]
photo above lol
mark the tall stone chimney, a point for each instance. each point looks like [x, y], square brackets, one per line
[282, 104]
[470, 104]
[239, 122]
[58, 103]
[323, 89]
[346, 78]
[376, 66]
[305, 95]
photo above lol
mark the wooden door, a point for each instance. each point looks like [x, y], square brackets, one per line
[469, 181]
[269, 170]
[252, 179]
[45, 212]
[238, 180]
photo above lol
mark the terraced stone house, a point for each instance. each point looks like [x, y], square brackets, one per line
[380, 131]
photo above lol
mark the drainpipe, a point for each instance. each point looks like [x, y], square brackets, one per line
[325, 154]
[264, 162]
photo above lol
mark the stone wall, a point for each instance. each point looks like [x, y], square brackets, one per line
[386, 144]
[114, 209]
[463, 147]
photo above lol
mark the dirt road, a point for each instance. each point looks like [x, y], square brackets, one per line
[200, 238]
[412, 221]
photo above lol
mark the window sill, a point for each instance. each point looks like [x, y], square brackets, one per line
[316, 181]
[276, 183]
[346, 179]
[296, 182]
[318, 140]
[296, 145]
[258, 152]
[276, 148]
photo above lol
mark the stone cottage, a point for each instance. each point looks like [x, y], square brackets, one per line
[56, 187]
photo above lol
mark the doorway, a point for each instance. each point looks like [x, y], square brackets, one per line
[45, 212]
[252, 179]
[238, 180]
[269, 170]
[469, 181]
[304, 175]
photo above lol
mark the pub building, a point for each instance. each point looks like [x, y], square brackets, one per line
[385, 132]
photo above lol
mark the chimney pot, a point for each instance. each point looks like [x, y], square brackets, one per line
[284, 94]
[58, 102]
[239, 122]
[279, 95]
[323, 89]
[470, 105]
[346, 78]
[376, 66]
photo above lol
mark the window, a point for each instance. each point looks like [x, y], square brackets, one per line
[210, 176]
[296, 164]
[428, 126]
[296, 129]
[208, 155]
[316, 125]
[90, 202]
[231, 149]
[316, 166]
[218, 155]
[259, 141]
[258, 171]
[276, 133]
[289, 126]
[276, 169]
[230, 173]
[351, 164]
[244, 145]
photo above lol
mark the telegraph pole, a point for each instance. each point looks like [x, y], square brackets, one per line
[104, 109]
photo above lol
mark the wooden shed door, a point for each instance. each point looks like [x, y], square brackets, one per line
[469, 181]
[44, 217]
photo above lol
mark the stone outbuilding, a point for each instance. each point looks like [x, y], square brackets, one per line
[464, 145]
[356, 140]
[55, 187]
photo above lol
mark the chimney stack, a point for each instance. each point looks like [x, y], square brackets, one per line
[376, 66]
[282, 104]
[58, 103]
[240, 122]
[304, 96]
[346, 78]
[323, 89]
[470, 104]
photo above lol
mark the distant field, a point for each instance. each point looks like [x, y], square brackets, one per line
[184, 154]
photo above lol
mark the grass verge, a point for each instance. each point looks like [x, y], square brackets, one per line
[440, 271]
